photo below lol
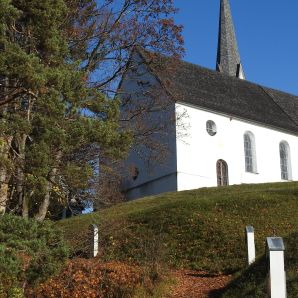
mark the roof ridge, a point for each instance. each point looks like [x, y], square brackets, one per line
[235, 78]
[281, 91]
[273, 99]
[143, 53]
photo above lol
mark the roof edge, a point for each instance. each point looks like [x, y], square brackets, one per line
[295, 133]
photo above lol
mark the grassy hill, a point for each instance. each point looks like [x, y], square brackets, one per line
[201, 229]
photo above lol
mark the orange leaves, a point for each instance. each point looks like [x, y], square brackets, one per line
[197, 283]
[90, 279]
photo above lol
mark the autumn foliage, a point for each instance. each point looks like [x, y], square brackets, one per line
[89, 279]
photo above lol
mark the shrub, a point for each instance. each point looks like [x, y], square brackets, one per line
[91, 278]
[29, 253]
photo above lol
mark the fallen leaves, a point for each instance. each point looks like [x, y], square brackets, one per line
[90, 279]
[197, 284]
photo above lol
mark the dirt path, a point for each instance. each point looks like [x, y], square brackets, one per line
[194, 284]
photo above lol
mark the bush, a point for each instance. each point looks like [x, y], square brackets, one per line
[87, 278]
[29, 253]
[91, 278]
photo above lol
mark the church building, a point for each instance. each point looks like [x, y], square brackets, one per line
[236, 131]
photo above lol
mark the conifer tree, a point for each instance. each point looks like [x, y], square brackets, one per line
[57, 61]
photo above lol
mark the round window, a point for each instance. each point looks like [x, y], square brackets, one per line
[211, 128]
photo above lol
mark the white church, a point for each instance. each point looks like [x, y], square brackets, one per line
[237, 131]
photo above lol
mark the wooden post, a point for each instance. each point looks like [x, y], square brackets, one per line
[250, 241]
[277, 275]
[94, 240]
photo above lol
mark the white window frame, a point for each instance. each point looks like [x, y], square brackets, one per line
[285, 161]
[211, 128]
[250, 157]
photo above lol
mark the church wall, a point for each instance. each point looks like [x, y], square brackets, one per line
[159, 185]
[198, 152]
[154, 175]
[152, 178]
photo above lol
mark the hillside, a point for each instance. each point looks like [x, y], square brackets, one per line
[200, 229]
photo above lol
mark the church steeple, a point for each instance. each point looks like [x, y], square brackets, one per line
[228, 57]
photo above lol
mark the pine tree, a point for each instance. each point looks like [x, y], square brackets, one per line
[42, 123]
[59, 64]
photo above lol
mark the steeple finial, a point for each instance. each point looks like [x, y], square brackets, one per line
[228, 57]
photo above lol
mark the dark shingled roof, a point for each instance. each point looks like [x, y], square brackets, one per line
[222, 93]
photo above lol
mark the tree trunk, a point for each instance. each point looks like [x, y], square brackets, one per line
[4, 176]
[20, 155]
[21, 145]
[25, 207]
[3, 190]
[4, 154]
[43, 208]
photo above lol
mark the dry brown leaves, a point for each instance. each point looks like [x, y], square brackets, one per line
[195, 284]
[90, 279]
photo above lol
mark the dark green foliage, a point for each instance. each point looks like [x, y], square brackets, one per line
[29, 251]
[60, 64]
[53, 115]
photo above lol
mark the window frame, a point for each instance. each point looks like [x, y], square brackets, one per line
[285, 161]
[250, 157]
[222, 173]
[211, 128]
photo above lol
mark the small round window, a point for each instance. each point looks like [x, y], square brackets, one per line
[211, 128]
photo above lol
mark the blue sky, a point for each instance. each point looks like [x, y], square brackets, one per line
[267, 34]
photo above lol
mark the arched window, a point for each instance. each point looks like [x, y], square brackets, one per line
[222, 173]
[250, 153]
[285, 161]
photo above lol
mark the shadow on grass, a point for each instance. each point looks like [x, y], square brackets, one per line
[251, 282]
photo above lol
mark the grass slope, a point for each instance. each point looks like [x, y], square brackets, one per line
[252, 281]
[200, 229]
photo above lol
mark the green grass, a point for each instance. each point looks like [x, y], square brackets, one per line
[252, 282]
[200, 229]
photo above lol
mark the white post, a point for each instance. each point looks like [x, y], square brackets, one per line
[250, 241]
[277, 274]
[94, 240]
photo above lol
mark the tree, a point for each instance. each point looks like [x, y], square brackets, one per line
[114, 28]
[42, 125]
[60, 63]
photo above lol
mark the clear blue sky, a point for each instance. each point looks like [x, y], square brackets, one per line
[267, 34]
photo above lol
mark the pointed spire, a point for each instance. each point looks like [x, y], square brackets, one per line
[228, 57]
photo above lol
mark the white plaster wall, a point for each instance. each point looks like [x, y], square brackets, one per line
[198, 152]
[154, 177]
[153, 187]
